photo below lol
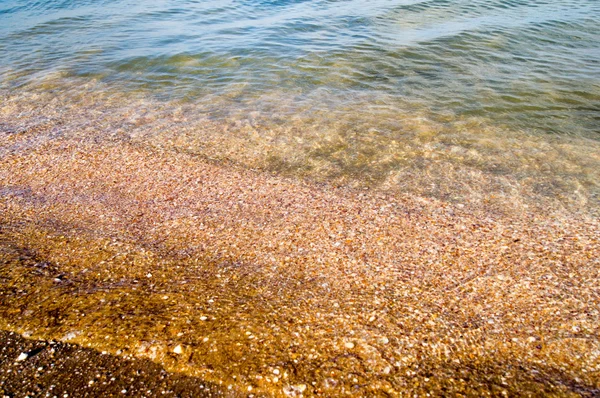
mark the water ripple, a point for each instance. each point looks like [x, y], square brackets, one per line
[529, 65]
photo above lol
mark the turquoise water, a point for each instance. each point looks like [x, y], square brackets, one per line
[522, 64]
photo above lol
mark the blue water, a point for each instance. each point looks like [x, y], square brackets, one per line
[482, 101]
[528, 65]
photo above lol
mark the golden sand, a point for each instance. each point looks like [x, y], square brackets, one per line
[280, 287]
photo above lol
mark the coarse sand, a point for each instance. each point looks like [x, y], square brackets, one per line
[271, 286]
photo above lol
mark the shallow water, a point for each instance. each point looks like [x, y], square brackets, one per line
[270, 286]
[465, 101]
[450, 250]
[462, 100]
[528, 65]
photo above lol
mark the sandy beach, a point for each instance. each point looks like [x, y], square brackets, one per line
[316, 198]
[266, 285]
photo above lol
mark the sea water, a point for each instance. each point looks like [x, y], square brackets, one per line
[443, 98]
[139, 215]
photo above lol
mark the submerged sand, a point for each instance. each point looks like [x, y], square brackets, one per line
[274, 286]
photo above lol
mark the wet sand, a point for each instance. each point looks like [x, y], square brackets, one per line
[53, 368]
[266, 285]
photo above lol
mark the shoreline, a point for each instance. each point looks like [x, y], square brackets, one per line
[54, 368]
[50, 366]
[459, 161]
[282, 287]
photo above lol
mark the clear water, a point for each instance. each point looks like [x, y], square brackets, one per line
[350, 89]
[525, 64]
[110, 236]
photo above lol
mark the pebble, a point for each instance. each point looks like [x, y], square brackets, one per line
[70, 335]
[294, 391]
[22, 357]
[360, 310]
